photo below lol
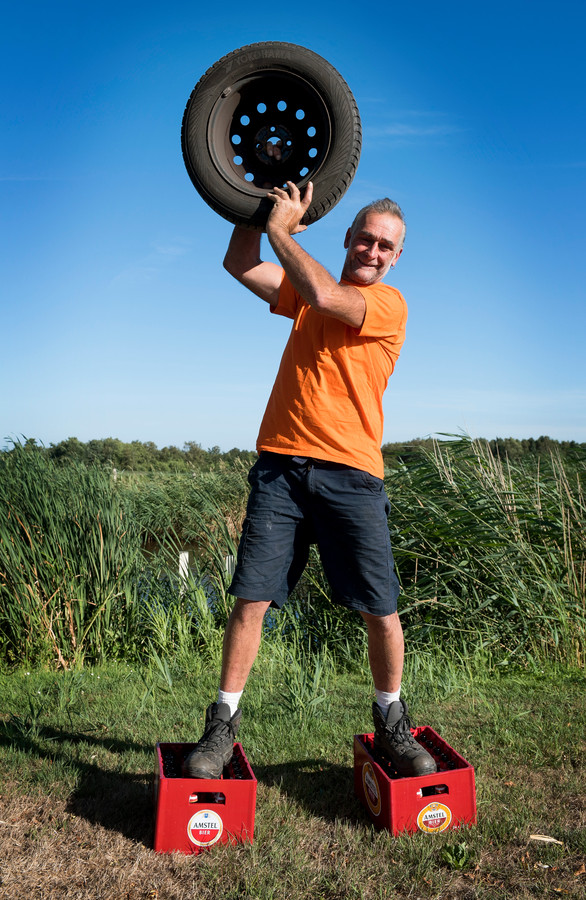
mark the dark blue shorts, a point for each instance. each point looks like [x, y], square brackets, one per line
[295, 502]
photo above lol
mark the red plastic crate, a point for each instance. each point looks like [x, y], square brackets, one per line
[192, 814]
[428, 803]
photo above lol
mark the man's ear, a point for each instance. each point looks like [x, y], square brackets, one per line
[396, 259]
[347, 239]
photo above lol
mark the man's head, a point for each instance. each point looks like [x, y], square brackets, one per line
[374, 242]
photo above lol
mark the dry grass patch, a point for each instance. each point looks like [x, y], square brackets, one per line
[101, 848]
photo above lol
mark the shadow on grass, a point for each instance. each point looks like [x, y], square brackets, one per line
[324, 789]
[123, 802]
[117, 801]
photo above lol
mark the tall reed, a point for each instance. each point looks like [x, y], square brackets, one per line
[89, 563]
[492, 555]
[69, 561]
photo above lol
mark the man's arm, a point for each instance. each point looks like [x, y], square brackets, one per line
[308, 277]
[243, 262]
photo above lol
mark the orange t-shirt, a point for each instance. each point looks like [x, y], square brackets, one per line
[326, 401]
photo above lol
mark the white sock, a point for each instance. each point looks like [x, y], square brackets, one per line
[231, 699]
[384, 699]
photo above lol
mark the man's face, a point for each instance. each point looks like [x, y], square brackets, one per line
[372, 248]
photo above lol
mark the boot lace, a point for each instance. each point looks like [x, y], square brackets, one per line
[217, 733]
[401, 731]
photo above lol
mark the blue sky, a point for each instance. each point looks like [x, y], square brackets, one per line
[117, 317]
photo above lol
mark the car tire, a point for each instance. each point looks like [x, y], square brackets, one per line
[258, 98]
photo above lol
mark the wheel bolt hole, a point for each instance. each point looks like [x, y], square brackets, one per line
[311, 131]
[300, 114]
[244, 120]
[313, 152]
[261, 108]
[303, 172]
[249, 176]
[236, 139]
[281, 105]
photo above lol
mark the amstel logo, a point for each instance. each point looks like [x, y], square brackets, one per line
[434, 818]
[205, 828]
[371, 789]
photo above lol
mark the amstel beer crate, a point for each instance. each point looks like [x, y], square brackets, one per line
[192, 814]
[428, 803]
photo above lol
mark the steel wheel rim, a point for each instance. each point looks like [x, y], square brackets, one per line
[269, 106]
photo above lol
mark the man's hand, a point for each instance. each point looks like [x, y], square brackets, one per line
[308, 277]
[288, 208]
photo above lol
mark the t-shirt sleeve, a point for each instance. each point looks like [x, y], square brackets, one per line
[386, 313]
[288, 302]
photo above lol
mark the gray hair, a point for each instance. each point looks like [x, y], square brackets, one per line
[386, 206]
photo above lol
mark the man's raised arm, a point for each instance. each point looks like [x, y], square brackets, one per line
[308, 277]
[243, 262]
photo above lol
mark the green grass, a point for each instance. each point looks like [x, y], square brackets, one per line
[77, 756]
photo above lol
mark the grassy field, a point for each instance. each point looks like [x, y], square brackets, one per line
[105, 651]
[77, 757]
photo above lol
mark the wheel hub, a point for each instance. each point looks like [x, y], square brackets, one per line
[276, 136]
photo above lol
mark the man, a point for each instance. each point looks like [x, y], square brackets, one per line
[319, 472]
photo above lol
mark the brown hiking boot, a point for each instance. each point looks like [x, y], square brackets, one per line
[394, 740]
[214, 749]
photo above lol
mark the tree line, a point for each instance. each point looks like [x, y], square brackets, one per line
[141, 456]
[145, 456]
[513, 449]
